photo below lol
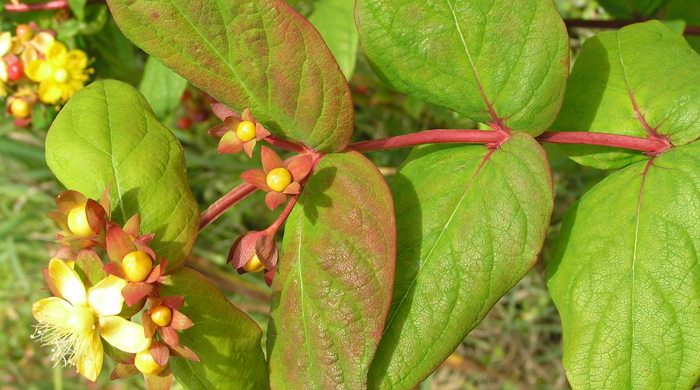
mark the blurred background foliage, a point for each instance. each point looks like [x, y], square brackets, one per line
[516, 347]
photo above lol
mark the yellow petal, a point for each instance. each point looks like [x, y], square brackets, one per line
[3, 71]
[53, 311]
[42, 41]
[29, 54]
[67, 282]
[105, 298]
[77, 60]
[89, 355]
[57, 54]
[125, 335]
[5, 43]
[50, 92]
[39, 70]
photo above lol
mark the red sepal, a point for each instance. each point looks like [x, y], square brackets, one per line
[275, 199]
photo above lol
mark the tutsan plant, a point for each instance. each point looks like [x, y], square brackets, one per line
[375, 285]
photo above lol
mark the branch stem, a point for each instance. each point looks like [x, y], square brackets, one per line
[284, 144]
[224, 203]
[48, 6]
[649, 145]
[431, 137]
[283, 217]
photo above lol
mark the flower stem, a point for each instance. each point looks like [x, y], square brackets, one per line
[431, 137]
[284, 144]
[283, 217]
[224, 203]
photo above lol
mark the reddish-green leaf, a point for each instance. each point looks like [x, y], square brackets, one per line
[333, 289]
[257, 54]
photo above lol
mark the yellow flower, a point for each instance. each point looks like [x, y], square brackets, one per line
[5, 46]
[73, 322]
[61, 74]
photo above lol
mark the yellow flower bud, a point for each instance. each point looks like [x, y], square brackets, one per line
[246, 131]
[78, 222]
[162, 315]
[137, 266]
[144, 362]
[19, 108]
[254, 265]
[278, 179]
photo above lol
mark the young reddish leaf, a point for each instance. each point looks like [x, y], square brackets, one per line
[257, 178]
[275, 199]
[332, 291]
[162, 381]
[270, 159]
[471, 222]
[118, 243]
[160, 353]
[226, 340]
[133, 225]
[257, 54]
[643, 81]
[625, 277]
[107, 136]
[300, 167]
[500, 61]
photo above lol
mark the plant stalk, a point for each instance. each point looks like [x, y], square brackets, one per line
[224, 203]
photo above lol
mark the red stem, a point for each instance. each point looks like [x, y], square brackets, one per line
[224, 203]
[689, 30]
[649, 145]
[51, 5]
[284, 144]
[431, 137]
[283, 217]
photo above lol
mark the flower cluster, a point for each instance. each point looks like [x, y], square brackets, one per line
[93, 301]
[35, 67]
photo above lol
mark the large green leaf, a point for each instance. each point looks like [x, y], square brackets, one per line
[492, 60]
[335, 20]
[626, 277]
[257, 54]
[226, 340]
[632, 9]
[162, 87]
[688, 10]
[332, 292]
[640, 80]
[470, 224]
[108, 136]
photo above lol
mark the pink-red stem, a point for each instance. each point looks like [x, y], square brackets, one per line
[649, 145]
[224, 203]
[284, 144]
[431, 137]
[283, 217]
[48, 6]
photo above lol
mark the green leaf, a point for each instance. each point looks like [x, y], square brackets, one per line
[226, 340]
[332, 291]
[626, 277]
[107, 135]
[470, 224]
[632, 9]
[78, 8]
[335, 20]
[499, 61]
[688, 10]
[257, 54]
[646, 65]
[162, 87]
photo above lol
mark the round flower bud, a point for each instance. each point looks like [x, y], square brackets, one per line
[246, 131]
[162, 315]
[254, 265]
[78, 221]
[19, 108]
[278, 179]
[23, 32]
[144, 362]
[137, 266]
[15, 71]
